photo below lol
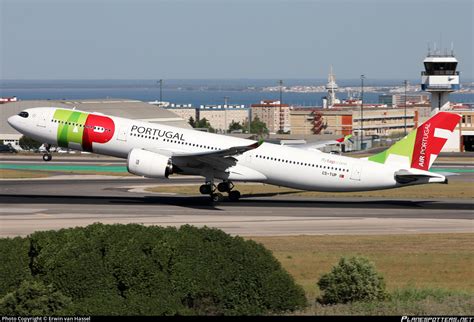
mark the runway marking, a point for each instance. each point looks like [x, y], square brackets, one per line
[4, 210]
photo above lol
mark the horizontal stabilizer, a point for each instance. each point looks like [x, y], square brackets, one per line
[410, 176]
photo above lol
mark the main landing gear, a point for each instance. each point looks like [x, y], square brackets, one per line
[47, 156]
[209, 188]
[226, 186]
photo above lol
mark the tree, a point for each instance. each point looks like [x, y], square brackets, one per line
[27, 143]
[236, 126]
[258, 127]
[33, 298]
[201, 124]
[352, 279]
[192, 122]
[204, 124]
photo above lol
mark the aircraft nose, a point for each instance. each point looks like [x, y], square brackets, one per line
[11, 119]
[14, 121]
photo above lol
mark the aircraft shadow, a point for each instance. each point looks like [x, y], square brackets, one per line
[203, 202]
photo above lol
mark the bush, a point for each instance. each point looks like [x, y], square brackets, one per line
[14, 261]
[137, 270]
[353, 279]
[33, 298]
[27, 143]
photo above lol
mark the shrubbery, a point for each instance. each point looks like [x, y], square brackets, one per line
[14, 261]
[137, 270]
[33, 298]
[27, 143]
[352, 279]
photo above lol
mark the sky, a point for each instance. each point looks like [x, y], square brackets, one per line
[230, 39]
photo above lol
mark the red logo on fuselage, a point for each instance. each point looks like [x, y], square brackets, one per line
[99, 129]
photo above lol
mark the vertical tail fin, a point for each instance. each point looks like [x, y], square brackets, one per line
[420, 148]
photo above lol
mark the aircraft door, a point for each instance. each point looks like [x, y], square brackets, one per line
[356, 172]
[122, 133]
[41, 120]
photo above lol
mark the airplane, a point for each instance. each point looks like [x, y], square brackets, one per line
[157, 151]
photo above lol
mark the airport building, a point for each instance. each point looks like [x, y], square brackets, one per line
[463, 135]
[275, 115]
[131, 109]
[219, 116]
[398, 100]
[185, 111]
[344, 121]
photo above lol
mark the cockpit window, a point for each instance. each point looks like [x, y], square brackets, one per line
[23, 114]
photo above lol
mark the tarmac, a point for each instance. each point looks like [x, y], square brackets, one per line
[68, 201]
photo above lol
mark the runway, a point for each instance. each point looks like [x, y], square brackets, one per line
[91, 164]
[43, 204]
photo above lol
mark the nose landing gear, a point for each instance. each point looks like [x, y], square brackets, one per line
[47, 156]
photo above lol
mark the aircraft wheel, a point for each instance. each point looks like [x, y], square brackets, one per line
[234, 195]
[223, 187]
[216, 197]
[47, 157]
[205, 189]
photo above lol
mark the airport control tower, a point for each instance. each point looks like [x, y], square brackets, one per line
[440, 78]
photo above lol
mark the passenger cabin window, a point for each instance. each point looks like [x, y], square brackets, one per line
[23, 114]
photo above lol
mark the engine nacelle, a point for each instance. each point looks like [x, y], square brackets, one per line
[148, 164]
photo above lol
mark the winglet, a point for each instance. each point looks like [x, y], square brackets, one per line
[255, 145]
[344, 138]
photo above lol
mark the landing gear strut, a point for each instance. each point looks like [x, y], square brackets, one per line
[227, 186]
[47, 156]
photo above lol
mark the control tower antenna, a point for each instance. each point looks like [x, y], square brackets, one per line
[440, 78]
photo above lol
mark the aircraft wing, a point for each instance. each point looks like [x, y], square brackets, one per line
[235, 150]
[321, 144]
[221, 159]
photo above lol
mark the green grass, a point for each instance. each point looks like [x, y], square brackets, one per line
[431, 261]
[17, 174]
[425, 274]
[48, 172]
[448, 303]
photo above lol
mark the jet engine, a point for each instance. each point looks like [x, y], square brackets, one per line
[149, 164]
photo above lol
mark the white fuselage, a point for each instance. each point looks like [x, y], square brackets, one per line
[269, 163]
